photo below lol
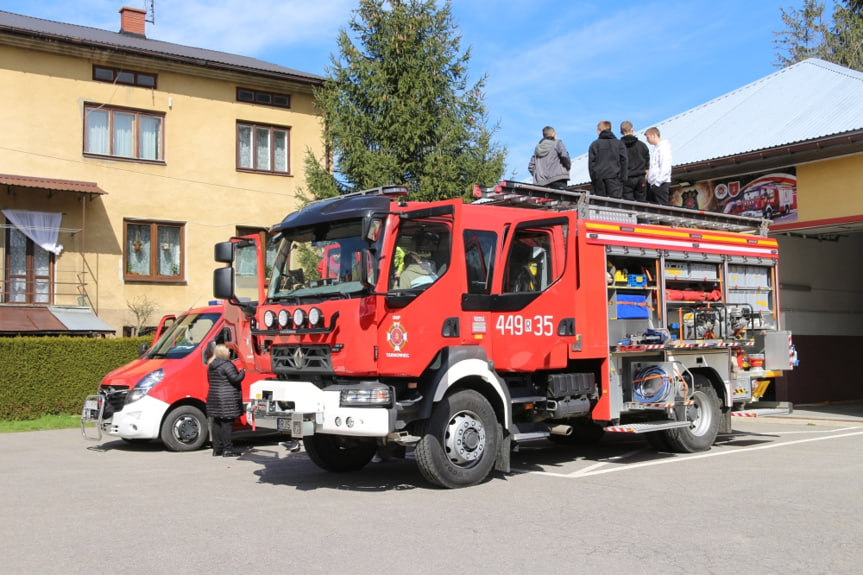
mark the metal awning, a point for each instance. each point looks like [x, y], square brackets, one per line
[52, 184]
[50, 320]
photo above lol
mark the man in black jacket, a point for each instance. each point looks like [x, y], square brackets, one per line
[607, 163]
[638, 157]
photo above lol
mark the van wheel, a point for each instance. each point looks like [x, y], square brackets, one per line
[338, 453]
[184, 429]
[460, 442]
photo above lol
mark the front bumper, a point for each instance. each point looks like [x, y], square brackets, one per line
[301, 408]
[141, 419]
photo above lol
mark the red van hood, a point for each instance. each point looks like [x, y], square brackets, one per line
[131, 373]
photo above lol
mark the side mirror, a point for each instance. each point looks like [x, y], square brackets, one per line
[367, 269]
[224, 252]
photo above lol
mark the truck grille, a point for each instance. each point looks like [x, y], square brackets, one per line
[301, 358]
[115, 397]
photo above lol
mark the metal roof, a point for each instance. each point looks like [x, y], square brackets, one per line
[52, 184]
[106, 39]
[810, 100]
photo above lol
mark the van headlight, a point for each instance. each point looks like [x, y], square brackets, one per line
[369, 397]
[144, 386]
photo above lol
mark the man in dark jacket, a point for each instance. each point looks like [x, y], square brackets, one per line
[638, 157]
[224, 399]
[607, 162]
[550, 162]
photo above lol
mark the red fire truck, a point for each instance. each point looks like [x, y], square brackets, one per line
[462, 330]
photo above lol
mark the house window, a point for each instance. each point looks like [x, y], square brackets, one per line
[128, 77]
[123, 133]
[262, 148]
[29, 270]
[153, 251]
[263, 98]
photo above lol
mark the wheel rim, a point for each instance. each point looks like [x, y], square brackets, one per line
[699, 417]
[464, 439]
[186, 429]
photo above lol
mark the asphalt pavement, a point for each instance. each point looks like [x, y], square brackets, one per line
[830, 411]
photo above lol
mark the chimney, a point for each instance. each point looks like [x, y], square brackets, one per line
[132, 21]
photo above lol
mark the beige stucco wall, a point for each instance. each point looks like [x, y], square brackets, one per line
[830, 189]
[43, 97]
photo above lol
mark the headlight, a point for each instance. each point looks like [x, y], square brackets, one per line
[376, 397]
[144, 386]
[299, 317]
[283, 318]
[269, 319]
[315, 316]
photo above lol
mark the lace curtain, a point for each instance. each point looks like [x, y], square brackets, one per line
[41, 227]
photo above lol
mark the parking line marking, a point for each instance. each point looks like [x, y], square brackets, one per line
[592, 469]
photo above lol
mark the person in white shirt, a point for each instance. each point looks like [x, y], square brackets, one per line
[659, 173]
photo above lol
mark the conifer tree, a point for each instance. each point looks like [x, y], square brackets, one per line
[397, 107]
[809, 34]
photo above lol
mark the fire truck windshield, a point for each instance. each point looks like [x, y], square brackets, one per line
[323, 261]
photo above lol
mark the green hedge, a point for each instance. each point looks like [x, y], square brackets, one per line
[52, 375]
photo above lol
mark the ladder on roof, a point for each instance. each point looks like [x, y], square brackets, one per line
[394, 191]
[589, 206]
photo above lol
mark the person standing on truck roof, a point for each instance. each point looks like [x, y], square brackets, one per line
[550, 162]
[659, 173]
[224, 399]
[638, 160]
[607, 162]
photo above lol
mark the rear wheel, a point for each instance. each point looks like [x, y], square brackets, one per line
[460, 442]
[338, 453]
[184, 429]
[703, 416]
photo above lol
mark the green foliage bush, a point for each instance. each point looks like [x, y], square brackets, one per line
[52, 375]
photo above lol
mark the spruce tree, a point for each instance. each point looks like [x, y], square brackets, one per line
[398, 108]
[809, 35]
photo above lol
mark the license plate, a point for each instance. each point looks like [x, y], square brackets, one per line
[91, 405]
[283, 424]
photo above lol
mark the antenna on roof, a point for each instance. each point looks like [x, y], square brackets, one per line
[151, 12]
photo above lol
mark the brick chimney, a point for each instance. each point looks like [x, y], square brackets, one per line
[132, 21]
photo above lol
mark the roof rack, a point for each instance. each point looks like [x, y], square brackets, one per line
[589, 206]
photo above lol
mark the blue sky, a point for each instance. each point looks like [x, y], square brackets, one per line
[563, 63]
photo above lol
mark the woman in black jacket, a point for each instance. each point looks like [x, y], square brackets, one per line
[224, 399]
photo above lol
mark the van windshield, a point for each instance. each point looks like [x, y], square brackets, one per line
[184, 336]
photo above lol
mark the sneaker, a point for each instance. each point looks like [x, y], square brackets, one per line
[231, 453]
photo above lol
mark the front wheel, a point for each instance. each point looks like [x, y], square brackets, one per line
[703, 416]
[460, 442]
[338, 453]
[184, 429]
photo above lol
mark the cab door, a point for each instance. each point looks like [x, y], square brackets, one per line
[533, 311]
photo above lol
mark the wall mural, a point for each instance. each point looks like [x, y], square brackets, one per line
[772, 196]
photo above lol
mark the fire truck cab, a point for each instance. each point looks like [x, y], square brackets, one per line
[464, 329]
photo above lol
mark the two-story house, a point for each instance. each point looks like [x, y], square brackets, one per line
[125, 159]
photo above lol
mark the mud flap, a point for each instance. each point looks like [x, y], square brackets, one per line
[501, 462]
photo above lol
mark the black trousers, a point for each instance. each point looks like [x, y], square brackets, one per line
[612, 187]
[635, 189]
[659, 194]
[221, 432]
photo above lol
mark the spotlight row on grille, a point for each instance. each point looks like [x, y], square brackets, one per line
[299, 318]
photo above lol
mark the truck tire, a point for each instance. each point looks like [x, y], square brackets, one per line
[184, 429]
[460, 442]
[704, 416]
[338, 453]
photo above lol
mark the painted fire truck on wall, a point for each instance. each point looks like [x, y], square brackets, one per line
[462, 330]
